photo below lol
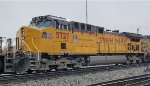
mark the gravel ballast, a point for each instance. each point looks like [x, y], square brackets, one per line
[87, 79]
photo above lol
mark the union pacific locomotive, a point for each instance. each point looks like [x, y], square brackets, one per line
[51, 42]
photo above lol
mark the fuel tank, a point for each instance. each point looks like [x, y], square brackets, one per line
[98, 60]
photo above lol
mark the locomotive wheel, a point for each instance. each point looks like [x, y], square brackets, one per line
[86, 61]
[131, 61]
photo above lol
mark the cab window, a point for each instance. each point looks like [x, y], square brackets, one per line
[44, 23]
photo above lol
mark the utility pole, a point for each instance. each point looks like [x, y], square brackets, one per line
[86, 13]
[137, 30]
[1, 41]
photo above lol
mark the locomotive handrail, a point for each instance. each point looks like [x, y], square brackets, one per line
[36, 49]
[6, 47]
[27, 46]
[14, 49]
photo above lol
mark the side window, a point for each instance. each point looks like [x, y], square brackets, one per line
[82, 26]
[88, 27]
[76, 25]
[61, 24]
[65, 27]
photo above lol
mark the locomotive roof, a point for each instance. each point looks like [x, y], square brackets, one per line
[132, 35]
[64, 21]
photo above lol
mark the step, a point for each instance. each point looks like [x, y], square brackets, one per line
[32, 58]
[8, 58]
[9, 70]
[30, 54]
[33, 61]
[32, 65]
[9, 64]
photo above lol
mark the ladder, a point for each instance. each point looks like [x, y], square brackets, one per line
[33, 61]
[9, 57]
[34, 58]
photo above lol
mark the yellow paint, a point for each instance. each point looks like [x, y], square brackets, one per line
[86, 43]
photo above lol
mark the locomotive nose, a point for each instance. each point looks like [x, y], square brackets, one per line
[22, 65]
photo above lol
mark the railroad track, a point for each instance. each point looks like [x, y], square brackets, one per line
[142, 80]
[14, 78]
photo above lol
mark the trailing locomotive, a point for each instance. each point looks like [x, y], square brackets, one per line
[51, 42]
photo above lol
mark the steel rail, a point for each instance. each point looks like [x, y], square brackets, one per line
[14, 78]
[140, 80]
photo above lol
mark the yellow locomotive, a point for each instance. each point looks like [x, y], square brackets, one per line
[51, 42]
[57, 43]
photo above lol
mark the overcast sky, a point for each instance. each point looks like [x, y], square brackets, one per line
[124, 15]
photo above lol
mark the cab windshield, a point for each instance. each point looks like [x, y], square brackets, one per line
[44, 23]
